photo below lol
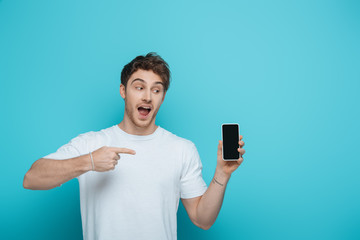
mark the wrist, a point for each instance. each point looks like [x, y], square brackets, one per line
[85, 163]
[222, 173]
[222, 176]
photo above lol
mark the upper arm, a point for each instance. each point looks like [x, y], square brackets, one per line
[190, 205]
[192, 183]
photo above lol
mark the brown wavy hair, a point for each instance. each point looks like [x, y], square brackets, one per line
[150, 61]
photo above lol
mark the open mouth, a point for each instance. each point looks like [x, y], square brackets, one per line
[144, 111]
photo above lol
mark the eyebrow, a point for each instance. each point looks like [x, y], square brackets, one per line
[142, 80]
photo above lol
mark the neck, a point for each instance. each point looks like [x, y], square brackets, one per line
[129, 127]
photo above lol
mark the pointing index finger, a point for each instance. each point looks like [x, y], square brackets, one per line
[122, 150]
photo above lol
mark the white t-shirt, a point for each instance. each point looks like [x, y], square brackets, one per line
[139, 199]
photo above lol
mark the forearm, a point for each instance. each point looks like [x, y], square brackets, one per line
[49, 173]
[210, 203]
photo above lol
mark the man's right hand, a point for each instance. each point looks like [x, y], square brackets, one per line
[105, 158]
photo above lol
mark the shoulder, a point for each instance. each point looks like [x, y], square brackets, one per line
[185, 144]
[94, 136]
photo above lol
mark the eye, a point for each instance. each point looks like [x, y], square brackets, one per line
[156, 90]
[139, 88]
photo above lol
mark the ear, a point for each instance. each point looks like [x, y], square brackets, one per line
[122, 91]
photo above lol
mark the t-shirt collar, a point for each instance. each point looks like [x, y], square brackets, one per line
[138, 137]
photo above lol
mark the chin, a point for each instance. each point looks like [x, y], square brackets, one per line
[142, 124]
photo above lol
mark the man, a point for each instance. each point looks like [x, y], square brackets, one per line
[131, 175]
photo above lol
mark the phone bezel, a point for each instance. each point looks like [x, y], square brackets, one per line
[222, 138]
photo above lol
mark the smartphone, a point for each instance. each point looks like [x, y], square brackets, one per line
[230, 138]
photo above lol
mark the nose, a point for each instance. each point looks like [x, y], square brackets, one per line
[147, 96]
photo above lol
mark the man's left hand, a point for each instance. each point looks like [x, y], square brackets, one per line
[228, 167]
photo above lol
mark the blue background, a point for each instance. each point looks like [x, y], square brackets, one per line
[287, 71]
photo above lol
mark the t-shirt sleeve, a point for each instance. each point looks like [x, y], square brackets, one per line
[69, 150]
[192, 183]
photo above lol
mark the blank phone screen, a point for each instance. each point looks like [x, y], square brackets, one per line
[230, 133]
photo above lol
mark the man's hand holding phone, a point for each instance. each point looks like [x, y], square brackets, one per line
[106, 158]
[230, 149]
